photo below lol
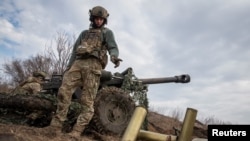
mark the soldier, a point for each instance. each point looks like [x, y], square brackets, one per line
[88, 58]
[32, 85]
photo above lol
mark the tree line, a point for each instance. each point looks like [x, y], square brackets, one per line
[54, 59]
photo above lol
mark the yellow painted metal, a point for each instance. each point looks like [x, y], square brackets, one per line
[188, 125]
[135, 123]
[152, 136]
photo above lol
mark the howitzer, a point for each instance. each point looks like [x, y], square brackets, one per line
[129, 82]
[116, 99]
[117, 79]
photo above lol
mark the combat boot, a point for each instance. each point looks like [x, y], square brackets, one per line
[55, 127]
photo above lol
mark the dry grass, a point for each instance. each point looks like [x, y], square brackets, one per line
[177, 114]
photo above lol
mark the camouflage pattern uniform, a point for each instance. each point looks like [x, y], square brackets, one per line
[32, 85]
[89, 57]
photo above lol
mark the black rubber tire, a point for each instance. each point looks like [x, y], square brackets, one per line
[113, 110]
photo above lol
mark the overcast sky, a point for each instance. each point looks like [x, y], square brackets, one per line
[207, 39]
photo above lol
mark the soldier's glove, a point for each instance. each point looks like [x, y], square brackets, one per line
[116, 61]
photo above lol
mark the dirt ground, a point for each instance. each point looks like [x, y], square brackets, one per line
[156, 123]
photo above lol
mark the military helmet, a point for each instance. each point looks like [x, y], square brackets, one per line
[98, 11]
[39, 73]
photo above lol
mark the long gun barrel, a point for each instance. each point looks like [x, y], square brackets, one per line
[117, 80]
[184, 78]
[108, 79]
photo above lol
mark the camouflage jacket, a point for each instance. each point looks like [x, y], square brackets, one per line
[31, 86]
[107, 38]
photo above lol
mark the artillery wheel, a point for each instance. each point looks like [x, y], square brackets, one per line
[113, 111]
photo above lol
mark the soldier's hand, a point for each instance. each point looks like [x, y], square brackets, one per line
[116, 61]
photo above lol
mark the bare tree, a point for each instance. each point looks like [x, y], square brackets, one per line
[61, 56]
[4, 86]
[19, 70]
[54, 59]
[15, 70]
[37, 63]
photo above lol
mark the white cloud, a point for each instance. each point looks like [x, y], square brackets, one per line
[207, 39]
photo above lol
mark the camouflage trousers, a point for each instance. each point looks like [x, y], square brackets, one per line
[83, 73]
